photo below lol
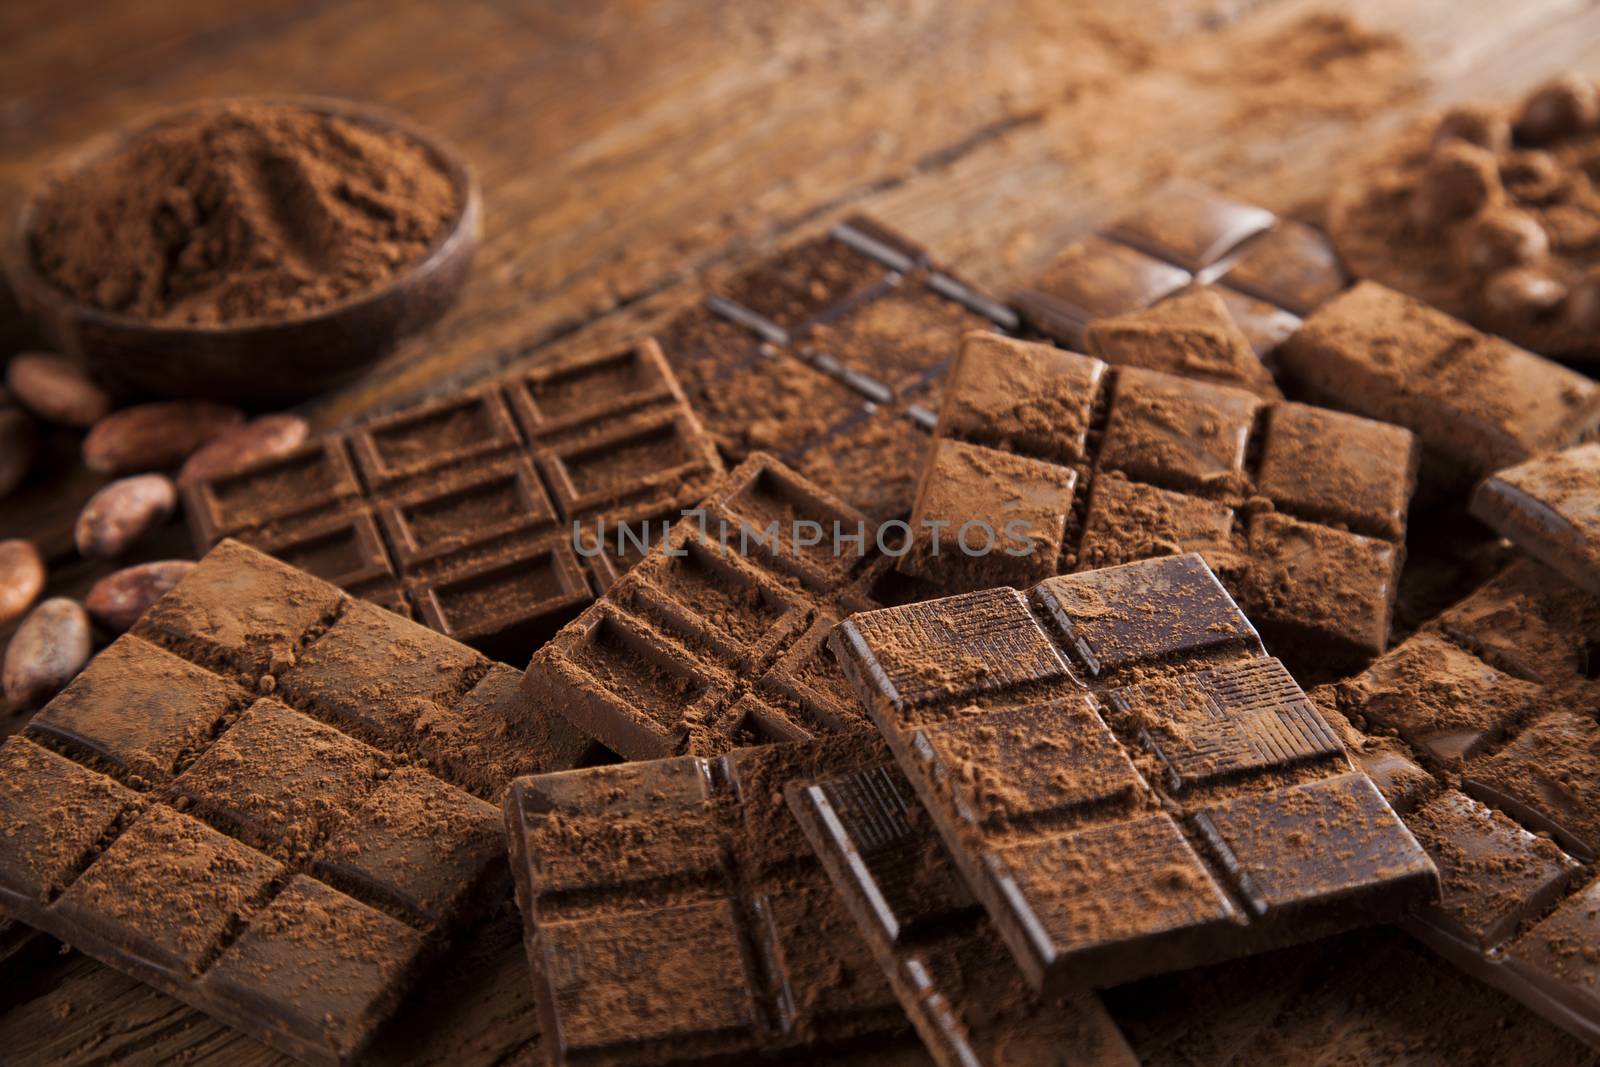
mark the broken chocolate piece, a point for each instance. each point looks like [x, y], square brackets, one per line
[462, 511]
[271, 801]
[1476, 403]
[694, 650]
[1045, 462]
[956, 981]
[1498, 694]
[673, 912]
[1127, 782]
[1550, 508]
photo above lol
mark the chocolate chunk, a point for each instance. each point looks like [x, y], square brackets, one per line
[673, 912]
[288, 863]
[1272, 271]
[1127, 782]
[1550, 508]
[465, 507]
[1301, 510]
[714, 640]
[954, 978]
[1476, 403]
[1498, 692]
[1192, 335]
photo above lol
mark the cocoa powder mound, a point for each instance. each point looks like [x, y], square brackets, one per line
[241, 212]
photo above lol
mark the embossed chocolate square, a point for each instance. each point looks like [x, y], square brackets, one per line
[1126, 781]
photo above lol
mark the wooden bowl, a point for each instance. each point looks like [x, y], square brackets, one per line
[262, 362]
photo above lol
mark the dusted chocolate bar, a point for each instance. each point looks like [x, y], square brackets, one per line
[271, 801]
[462, 511]
[1496, 698]
[674, 913]
[1550, 508]
[1476, 402]
[1182, 241]
[1046, 462]
[955, 979]
[815, 354]
[710, 644]
[1126, 781]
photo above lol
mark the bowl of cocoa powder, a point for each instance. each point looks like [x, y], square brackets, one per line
[253, 250]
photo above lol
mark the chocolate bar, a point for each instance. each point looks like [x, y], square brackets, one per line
[674, 913]
[795, 355]
[1046, 462]
[1127, 782]
[1550, 508]
[271, 801]
[956, 981]
[461, 512]
[1488, 213]
[715, 641]
[1495, 698]
[1476, 402]
[1183, 241]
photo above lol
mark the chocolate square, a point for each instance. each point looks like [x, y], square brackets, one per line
[1548, 778]
[432, 436]
[1176, 433]
[1191, 335]
[1020, 397]
[1292, 266]
[1095, 279]
[54, 812]
[1190, 225]
[1550, 508]
[1337, 468]
[1129, 521]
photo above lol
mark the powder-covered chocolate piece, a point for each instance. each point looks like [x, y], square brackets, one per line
[675, 914]
[1046, 462]
[1476, 402]
[1127, 782]
[1550, 508]
[242, 212]
[1497, 771]
[271, 801]
[954, 977]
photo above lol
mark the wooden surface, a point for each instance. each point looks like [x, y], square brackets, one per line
[628, 149]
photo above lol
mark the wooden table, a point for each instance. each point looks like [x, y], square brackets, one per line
[629, 149]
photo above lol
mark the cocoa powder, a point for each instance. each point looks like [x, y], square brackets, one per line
[240, 212]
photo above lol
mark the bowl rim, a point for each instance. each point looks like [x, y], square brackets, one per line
[461, 233]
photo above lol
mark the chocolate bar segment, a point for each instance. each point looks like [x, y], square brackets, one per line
[1127, 782]
[1053, 462]
[461, 512]
[1550, 508]
[715, 639]
[271, 801]
[1187, 245]
[957, 983]
[673, 913]
[1490, 696]
[783, 357]
[1476, 403]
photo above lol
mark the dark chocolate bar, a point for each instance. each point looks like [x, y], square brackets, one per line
[271, 801]
[1127, 782]
[1182, 240]
[1550, 508]
[1476, 402]
[782, 357]
[1301, 510]
[461, 512]
[1495, 698]
[955, 979]
[716, 639]
[674, 913]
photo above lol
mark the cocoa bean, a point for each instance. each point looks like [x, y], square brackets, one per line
[261, 439]
[150, 437]
[122, 513]
[21, 578]
[117, 600]
[57, 390]
[47, 651]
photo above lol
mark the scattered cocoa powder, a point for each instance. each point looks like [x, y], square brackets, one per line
[241, 212]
